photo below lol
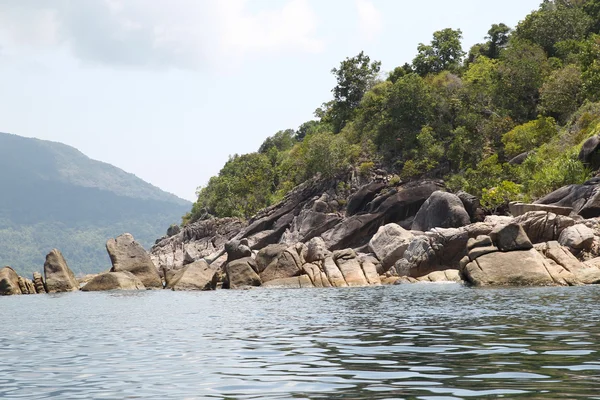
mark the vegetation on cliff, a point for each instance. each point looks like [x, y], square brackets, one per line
[530, 95]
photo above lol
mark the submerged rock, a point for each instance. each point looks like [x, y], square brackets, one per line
[122, 280]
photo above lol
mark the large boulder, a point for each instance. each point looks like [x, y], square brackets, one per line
[542, 227]
[9, 282]
[583, 199]
[242, 273]
[123, 280]
[510, 237]
[333, 273]
[195, 276]
[59, 277]
[128, 255]
[577, 237]
[288, 264]
[349, 265]
[515, 268]
[26, 286]
[589, 152]
[441, 210]
[268, 256]
[317, 276]
[389, 244]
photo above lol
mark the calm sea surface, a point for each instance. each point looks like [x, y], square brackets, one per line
[415, 342]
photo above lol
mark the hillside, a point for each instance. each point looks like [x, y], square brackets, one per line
[504, 121]
[53, 196]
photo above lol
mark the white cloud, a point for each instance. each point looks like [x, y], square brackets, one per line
[167, 33]
[370, 20]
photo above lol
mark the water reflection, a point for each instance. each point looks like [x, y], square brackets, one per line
[421, 341]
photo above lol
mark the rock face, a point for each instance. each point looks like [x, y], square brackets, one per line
[9, 282]
[242, 273]
[128, 255]
[268, 256]
[237, 249]
[441, 210]
[123, 280]
[195, 276]
[59, 277]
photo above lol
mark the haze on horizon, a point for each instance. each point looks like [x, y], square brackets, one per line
[168, 89]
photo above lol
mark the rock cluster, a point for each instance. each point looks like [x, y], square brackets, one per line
[328, 235]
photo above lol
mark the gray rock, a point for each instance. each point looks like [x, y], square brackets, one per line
[196, 276]
[477, 252]
[317, 250]
[479, 241]
[242, 273]
[510, 237]
[123, 280]
[128, 255]
[268, 256]
[289, 264]
[441, 210]
[577, 237]
[515, 268]
[518, 209]
[583, 199]
[389, 244]
[542, 227]
[471, 204]
[59, 277]
[237, 249]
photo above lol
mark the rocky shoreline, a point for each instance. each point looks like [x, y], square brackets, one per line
[356, 232]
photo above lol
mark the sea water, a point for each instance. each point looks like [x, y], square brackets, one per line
[424, 341]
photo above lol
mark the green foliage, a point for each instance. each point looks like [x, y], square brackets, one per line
[561, 93]
[528, 136]
[554, 22]
[242, 187]
[528, 90]
[354, 77]
[500, 195]
[445, 53]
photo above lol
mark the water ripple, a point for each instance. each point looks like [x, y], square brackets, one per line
[425, 342]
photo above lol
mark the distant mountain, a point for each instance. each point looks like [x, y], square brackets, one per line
[53, 196]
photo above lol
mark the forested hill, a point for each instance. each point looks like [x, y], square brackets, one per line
[53, 196]
[503, 121]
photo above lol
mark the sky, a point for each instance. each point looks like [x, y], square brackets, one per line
[169, 89]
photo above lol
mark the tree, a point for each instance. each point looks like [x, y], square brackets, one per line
[281, 141]
[554, 22]
[497, 36]
[355, 77]
[592, 8]
[561, 93]
[444, 53]
[521, 73]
